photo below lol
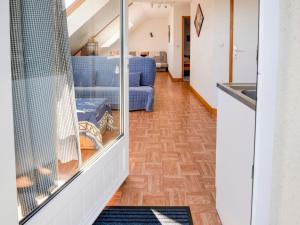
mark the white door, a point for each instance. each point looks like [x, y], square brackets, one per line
[245, 41]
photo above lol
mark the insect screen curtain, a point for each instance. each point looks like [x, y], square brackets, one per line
[45, 121]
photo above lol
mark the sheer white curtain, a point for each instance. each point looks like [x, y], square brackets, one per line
[45, 121]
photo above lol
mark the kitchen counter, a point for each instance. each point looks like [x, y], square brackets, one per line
[245, 93]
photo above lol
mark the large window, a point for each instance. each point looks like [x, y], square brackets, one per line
[67, 93]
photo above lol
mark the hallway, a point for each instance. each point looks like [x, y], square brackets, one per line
[172, 154]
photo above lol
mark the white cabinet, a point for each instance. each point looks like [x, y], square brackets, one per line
[235, 152]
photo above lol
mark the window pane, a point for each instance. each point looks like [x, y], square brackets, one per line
[67, 108]
[96, 65]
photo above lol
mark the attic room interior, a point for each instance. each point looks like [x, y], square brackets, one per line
[171, 161]
[149, 112]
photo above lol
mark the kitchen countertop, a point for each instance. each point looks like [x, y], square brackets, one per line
[235, 90]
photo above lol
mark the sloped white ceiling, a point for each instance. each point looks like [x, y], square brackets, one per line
[137, 14]
[95, 15]
[88, 19]
[84, 13]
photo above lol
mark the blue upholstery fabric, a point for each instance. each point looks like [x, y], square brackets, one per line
[94, 117]
[92, 110]
[84, 79]
[145, 66]
[115, 80]
[107, 70]
[134, 79]
[110, 93]
[141, 98]
[107, 80]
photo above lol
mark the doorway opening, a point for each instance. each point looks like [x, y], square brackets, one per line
[186, 54]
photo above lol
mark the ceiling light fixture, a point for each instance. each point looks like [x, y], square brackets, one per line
[161, 4]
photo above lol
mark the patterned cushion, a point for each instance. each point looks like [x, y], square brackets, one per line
[84, 79]
[134, 79]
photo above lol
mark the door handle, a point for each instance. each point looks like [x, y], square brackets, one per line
[236, 50]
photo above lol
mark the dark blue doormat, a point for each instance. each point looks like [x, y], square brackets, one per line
[130, 215]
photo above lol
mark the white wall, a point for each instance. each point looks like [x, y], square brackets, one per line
[175, 45]
[140, 40]
[210, 51]
[139, 37]
[265, 118]
[277, 161]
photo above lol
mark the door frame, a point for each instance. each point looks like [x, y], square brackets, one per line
[267, 86]
[182, 44]
[231, 41]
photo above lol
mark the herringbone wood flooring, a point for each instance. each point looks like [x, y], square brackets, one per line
[172, 154]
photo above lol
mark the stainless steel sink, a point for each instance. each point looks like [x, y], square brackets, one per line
[242, 87]
[244, 92]
[250, 93]
[246, 89]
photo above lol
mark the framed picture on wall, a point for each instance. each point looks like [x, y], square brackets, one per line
[199, 18]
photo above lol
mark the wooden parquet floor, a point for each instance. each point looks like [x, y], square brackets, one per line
[172, 154]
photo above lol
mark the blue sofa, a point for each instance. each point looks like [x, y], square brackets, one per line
[98, 77]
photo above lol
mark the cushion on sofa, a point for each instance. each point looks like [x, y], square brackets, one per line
[84, 79]
[115, 80]
[107, 83]
[147, 68]
[106, 79]
[134, 79]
